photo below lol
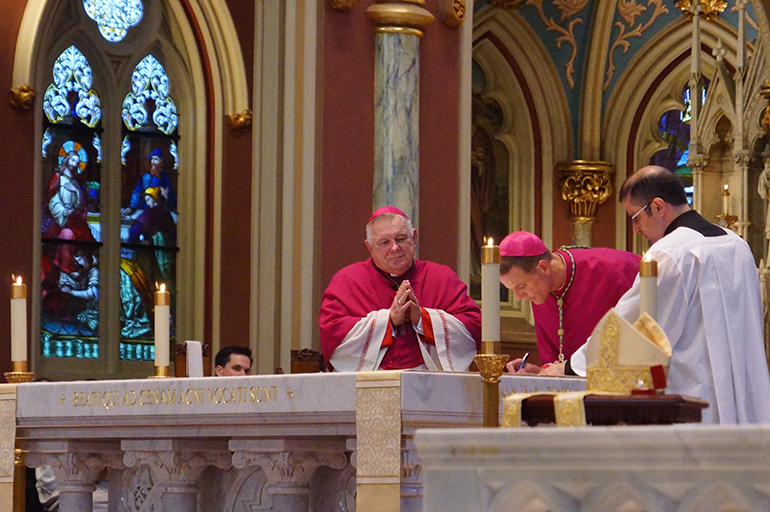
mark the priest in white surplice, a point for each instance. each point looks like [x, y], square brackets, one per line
[709, 302]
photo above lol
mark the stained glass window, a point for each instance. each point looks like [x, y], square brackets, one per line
[70, 220]
[674, 129]
[114, 17]
[148, 205]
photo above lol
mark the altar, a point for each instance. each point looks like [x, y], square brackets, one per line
[321, 442]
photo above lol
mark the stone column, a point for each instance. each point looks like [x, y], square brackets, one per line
[177, 464]
[584, 185]
[398, 29]
[288, 466]
[77, 466]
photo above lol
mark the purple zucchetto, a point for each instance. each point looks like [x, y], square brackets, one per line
[522, 243]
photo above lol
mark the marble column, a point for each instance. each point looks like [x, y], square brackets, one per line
[177, 465]
[288, 466]
[584, 185]
[398, 29]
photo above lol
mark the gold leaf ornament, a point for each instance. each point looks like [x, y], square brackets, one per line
[629, 10]
[569, 8]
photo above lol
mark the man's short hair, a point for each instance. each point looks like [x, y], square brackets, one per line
[384, 216]
[643, 187]
[223, 356]
[527, 264]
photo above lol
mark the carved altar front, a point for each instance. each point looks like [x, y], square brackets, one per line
[321, 442]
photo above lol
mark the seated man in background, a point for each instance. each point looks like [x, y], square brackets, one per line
[570, 289]
[232, 362]
[395, 312]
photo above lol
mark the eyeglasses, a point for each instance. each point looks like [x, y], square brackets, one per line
[634, 216]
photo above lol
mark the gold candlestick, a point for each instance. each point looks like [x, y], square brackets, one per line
[19, 373]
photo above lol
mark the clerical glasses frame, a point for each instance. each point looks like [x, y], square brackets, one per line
[634, 216]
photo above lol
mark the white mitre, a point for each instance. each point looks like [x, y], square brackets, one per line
[621, 357]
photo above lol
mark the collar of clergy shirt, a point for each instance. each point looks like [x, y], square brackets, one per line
[692, 219]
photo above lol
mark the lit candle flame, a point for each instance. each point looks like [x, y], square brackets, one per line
[490, 242]
[726, 187]
[18, 280]
[163, 287]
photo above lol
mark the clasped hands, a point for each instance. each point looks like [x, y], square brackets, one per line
[405, 305]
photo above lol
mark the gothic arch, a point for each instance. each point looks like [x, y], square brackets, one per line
[546, 101]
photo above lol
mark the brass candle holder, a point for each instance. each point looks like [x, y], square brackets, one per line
[491, 364]
[161, 372]
[19, 373]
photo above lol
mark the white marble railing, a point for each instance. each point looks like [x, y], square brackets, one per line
[683, 468]
[321, 442]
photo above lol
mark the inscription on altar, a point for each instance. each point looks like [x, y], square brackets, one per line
[179, 397]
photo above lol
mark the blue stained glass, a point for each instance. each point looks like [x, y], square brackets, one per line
[150, 82]
[71, 72]
[114, 17]
[47, 139]
[124, 148]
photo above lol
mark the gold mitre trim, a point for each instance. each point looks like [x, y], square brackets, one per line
[619, 355]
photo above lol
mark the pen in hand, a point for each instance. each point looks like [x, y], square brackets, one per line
[523, 362]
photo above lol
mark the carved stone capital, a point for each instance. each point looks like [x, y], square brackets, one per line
[241, 122]
[741, 159]
[75, 469]
[289, 467]
[584, 185]
[22, 97]
[405, 16]
[178, 467]
[452, 12]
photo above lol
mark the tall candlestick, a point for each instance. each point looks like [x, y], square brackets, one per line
[18, 321]
[162, 305]
[490, 298]
[726, 200]
[648, 287]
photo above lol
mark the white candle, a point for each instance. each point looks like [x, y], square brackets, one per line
[162, 305]
[490, 295]
[18, 321]
[648, 287]
[726, 200]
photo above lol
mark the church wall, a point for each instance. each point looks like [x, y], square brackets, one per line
[348, 134]
[236, 202]
[16, 206]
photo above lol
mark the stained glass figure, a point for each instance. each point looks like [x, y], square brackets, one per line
[150, 82]
[148, 205]
[72, 74]
[71, 230]
[114, 17]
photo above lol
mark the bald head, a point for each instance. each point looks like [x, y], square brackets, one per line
[650, 182]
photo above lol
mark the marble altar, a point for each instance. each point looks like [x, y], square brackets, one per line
[682, 468]
[320, 442]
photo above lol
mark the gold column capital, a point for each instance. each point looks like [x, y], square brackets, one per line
[22, 97]
[400, 17]
[584, 185]
[709, 9]
[452, 12]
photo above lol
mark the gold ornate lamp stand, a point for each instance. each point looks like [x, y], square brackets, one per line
[491, 363]
[584, 185]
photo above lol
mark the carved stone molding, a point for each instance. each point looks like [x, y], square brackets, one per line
[22, 97]
[452, 12]
[76, 470]
[242, 122]
[289, 467]
[585, 185]
[341, 5]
